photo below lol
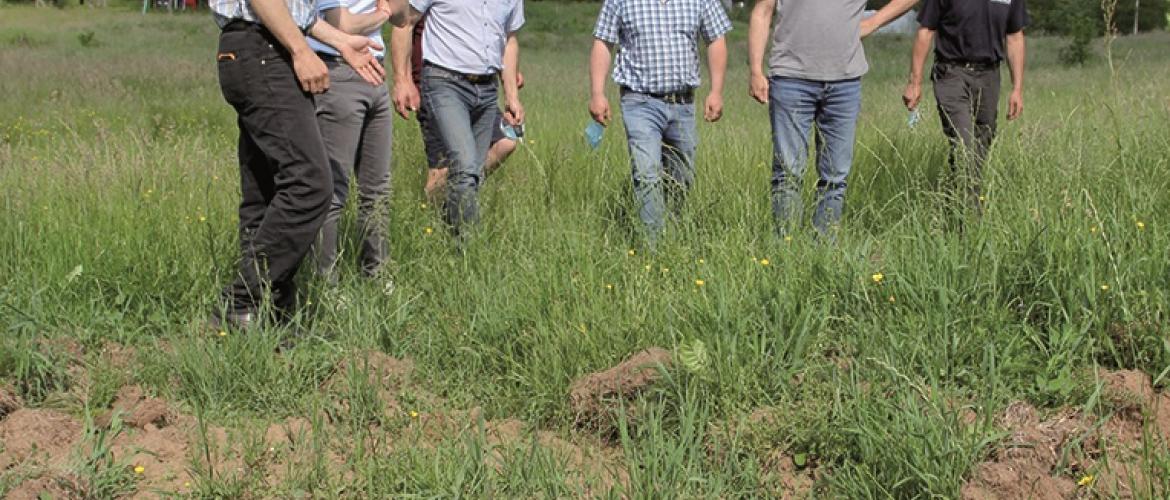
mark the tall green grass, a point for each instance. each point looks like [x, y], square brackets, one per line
[117, 164]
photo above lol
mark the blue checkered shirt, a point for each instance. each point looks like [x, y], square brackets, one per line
[658, 40]
[304, 12]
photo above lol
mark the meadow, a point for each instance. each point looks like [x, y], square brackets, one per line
[909, 360]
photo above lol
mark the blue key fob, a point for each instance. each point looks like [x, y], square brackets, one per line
[593, 134]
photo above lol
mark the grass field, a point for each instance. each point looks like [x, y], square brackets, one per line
[909, 360]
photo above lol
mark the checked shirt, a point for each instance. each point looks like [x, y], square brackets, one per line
[304, 12]
[658, 40]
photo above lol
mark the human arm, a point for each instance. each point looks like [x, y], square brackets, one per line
[913, 93]
[598, 70]
[355, 49]
[758, 26]
[717, 65]
[309, 69]
[406, 97]
[513, 110]
[1016, 55]
[885, 15]
[356, 24]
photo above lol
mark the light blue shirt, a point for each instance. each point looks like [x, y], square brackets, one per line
[355, 7]
[468, 36]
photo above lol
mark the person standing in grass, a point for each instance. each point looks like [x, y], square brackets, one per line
[657, 70]
[814, 75]
[269, 74]
[357, 124]
[501, 147]
[469, 50]
[973, 40]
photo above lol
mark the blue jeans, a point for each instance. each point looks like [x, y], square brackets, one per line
[661, 138]
[462, 114]
[795, 104]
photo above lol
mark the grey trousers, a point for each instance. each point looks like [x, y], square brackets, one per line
[968, 103]
[357, 124]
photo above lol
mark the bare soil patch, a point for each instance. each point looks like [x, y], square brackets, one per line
[37, 437]
[597, 399]
[1070, 454]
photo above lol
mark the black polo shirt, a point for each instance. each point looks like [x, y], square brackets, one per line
[972, 30]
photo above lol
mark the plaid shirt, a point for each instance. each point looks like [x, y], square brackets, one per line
[658, 50]
[304, 12]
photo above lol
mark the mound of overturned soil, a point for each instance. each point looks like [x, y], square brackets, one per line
[10, 401]
[37, 437]
[596, 399]
[137, 410]
[1054, 457]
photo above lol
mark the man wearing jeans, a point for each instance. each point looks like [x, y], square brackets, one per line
[268, 73]
[357, 124]
[469, 48]
[971, 45]
[814, 75]
[657, 70]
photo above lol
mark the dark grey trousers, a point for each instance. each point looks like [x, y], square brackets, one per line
[357, 123]
[968, 103]
[284, 172]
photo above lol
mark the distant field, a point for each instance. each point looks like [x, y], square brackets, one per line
[1022, 357]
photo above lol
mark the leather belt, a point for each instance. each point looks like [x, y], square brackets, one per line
[472, 78]
[679, 97]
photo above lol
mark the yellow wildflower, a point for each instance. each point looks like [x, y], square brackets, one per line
[202, 218]
[892, 299]
[1104, 288]
[422, 206]
[700, 283]
[701, 262]
[609, 286]
[1093, 229]
[788, 238]
[1141, 225]
[765, 262]
[138, 469]
[413, 414]
[429, 230]
[631, 252]
[1086, 481]
[878, 278]
[665, 270]
[647, 267]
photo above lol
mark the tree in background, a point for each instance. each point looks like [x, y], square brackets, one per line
[1052, 16]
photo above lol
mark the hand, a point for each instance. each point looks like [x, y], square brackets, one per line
[759, 88]
[713, 111]
[599, 109]
[867, 27]
[311, 72]
[513, 112]
[519, 80]
[406, 98]
[912, 95]
[1015, 104]
[356, 52]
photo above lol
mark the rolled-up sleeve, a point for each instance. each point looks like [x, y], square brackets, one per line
[607, 22]
[516, 19]
[421, 5]
[715, 21]
[928, 17]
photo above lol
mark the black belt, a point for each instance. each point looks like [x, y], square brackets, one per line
[477, 79]
[679, 97]
[971, 65]
[331, 58]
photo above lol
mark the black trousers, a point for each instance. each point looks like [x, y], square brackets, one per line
[968, 103]
[285, 183]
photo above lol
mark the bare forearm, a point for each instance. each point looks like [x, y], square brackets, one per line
[598, 67]
[761, 23]
[892, 11]
[362, 24]
[918, 54]
[511, 67]
[401, 45]
[329, 35]
[276, 18]
[717, 64]
[1016, 55]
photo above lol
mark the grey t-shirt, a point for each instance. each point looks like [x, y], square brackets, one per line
[818, 40]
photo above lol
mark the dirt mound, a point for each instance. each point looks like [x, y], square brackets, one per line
[10, 401]
[1052, 458]
[40, 437]
[163, 454]
[595, 399]
[137, 410]
[47, 486]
